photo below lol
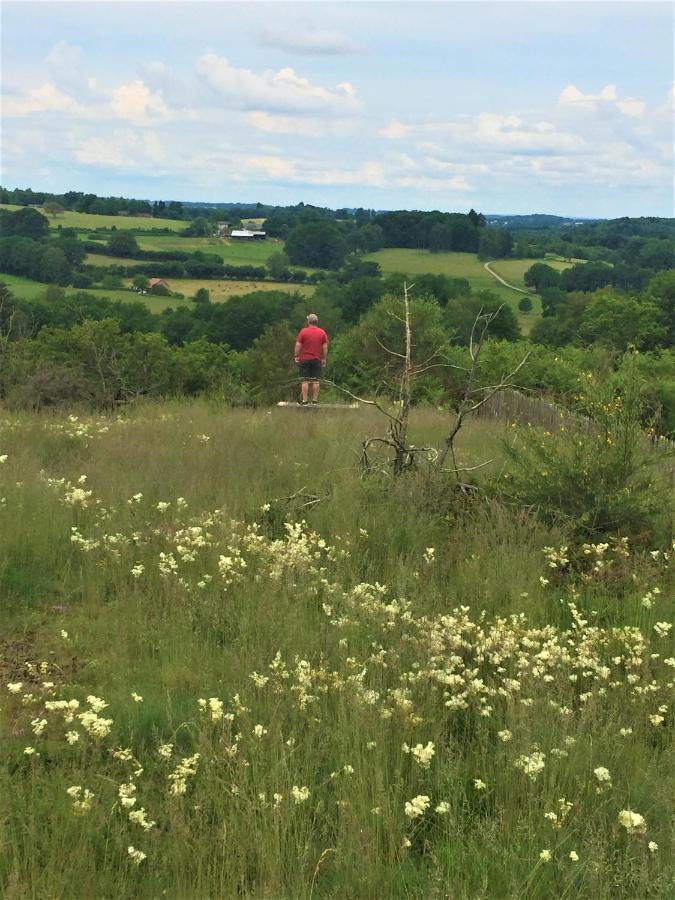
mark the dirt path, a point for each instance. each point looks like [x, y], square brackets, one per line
[505, 283]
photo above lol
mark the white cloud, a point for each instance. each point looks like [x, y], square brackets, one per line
[124, 149]
[272, 167]
[500, 132]
[395, 130]
[302, 126]
[47, 98]
[308, 41]
[282, 91]
[285, 124]
[136, 102]
[608, 97]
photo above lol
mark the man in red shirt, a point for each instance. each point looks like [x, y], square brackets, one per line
[311, 353]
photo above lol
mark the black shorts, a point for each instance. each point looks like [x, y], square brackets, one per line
[310, 369]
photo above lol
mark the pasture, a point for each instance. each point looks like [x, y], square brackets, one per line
[91, 221]
[219, 291]
[27, 289]
[233, 666]
[513, 270]
[459, 265]
[232, 252]
[222, 290]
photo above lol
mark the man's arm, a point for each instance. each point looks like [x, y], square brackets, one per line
[296, 351]
[324, 353]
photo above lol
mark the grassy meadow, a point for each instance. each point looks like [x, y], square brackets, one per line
[27, 289]
[233, 252]
[513, 270]
[90, 221]
[220, 291]
[233, 666]
[467, 265]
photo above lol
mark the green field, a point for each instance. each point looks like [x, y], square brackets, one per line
[26, 289]
[219, 291]
[234, 253]
[234, 666]
[513, 270]
[231, 252]
[89, 221]
[455, 265]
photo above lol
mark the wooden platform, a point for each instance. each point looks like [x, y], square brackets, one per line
[319, 405]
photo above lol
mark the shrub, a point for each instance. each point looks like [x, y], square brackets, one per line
[597, 476]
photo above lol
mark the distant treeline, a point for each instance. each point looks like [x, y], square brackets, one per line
[78, 201]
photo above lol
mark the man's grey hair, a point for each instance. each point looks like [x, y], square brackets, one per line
[312, 319]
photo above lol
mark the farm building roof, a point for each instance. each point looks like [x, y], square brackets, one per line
[246, 233]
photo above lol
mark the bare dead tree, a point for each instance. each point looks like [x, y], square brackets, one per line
[473, 398]
[402, 455]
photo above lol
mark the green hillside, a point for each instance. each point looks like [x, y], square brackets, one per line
[91, 221]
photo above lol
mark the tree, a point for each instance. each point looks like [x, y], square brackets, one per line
[199, 227]
[29, 223]
[551, 300]
[525, 305]
[495, 243]
[368, 238]
[277, 266]
[202, 296]
[353, 298]
[661, 291]
[53, 209]
[461, 314]
[55, 266]
[540, 276]
[112, 282]
[379, 341]
[74, 250]
[319, 244]
[268, 365]
[141, 282]
[354, 267]
[587, 277]
[122, 243]
[621, 321]
[441, 237]
[657, 253]
[476, 219]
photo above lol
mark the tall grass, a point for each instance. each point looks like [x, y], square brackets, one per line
[323, 654]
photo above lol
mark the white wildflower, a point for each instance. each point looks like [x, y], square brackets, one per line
[416, 807]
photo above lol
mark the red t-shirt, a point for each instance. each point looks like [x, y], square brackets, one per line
[312, 339]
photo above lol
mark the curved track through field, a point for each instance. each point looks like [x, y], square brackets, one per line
[486, 266]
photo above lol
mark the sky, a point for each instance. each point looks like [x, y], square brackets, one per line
[506, 107]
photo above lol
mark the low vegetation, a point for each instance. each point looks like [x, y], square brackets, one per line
[232, 665]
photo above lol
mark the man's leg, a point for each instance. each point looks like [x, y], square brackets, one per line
[304, 391]
[316, 386]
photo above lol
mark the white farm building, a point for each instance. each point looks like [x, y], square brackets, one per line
[247, 235]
